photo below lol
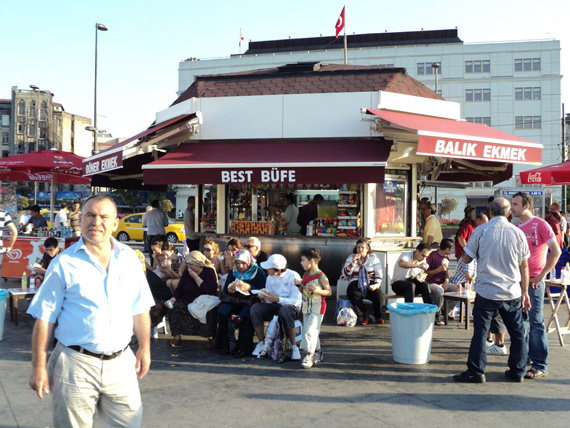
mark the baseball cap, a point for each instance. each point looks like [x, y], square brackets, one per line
[275, 261]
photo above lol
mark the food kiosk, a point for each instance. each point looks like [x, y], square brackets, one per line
[362, 137]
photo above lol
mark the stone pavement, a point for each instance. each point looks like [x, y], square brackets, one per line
[357, 385]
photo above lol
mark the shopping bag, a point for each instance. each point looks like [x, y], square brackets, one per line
[346, 317]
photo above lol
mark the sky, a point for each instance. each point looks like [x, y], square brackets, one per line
[51, 43]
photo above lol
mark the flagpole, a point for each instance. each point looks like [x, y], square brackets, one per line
[345, 43]
[240, 41]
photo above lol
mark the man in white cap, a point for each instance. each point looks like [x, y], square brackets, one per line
[280, 297]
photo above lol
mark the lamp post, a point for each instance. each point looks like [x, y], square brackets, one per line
[36, 89]
[98, 27]
[435, 66]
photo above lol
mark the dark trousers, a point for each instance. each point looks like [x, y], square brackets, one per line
[261, 312]
[410, 288]
[357, 300]
[193, 244]
[246, 332]
[484, 311]
[158, 287]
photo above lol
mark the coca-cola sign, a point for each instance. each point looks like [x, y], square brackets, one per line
[39, 176]
[535, 177]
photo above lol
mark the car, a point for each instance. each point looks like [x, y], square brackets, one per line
[130, 228]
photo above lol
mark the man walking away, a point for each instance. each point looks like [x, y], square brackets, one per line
[432, 229]
[540, 238]
[97, 293]
[502, 257]
[156, 221]
[192, 240]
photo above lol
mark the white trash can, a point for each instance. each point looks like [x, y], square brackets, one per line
[411, 326]
[3, 301]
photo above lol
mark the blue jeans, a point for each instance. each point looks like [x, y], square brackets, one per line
[484, 311]
[535, 331]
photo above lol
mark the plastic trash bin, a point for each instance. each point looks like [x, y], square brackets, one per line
[3, 300]
[411, 325]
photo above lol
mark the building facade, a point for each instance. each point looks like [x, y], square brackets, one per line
[512, 86]
[32, 121]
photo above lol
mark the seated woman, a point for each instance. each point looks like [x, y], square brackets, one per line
[364, 271]
[199, 279]
[246, 271]
[280, 297]
[52, 250]
[211, 251]
[409, 275]
[232, 246]
[167, 266]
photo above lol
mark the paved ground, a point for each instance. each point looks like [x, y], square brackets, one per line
[357, 385]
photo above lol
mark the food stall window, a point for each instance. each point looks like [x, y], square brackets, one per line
[260, 209]
[390, 207]
[209, 208]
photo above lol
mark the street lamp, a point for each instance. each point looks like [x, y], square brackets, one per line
[37, 90]
[98, 27]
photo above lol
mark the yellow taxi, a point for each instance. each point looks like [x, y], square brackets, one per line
[130, 228]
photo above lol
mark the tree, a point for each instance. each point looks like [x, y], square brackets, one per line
[23, 203]
[131, 198]
[447, 206]
[166, 205]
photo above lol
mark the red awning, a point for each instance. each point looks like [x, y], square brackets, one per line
[457, 139]
[283, 161]
[552, 175]
[112, 158]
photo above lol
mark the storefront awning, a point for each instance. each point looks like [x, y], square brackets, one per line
[282, 161]
[551, 175]
[112, 158]
[456, 139]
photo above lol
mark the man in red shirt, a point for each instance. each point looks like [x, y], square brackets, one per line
[554, 224]
[540, 238]
[466, 228]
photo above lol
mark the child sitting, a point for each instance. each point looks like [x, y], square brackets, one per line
[315, 287]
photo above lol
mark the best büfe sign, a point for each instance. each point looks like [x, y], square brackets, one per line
[104, 163]
[512, 153]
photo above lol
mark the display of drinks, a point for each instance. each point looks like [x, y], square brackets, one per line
[553, 274]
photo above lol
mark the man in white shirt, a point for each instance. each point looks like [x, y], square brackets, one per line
[24, 218]
[555, 208]
[192, 240]
[156, 221]
[281, 297]
[61, 216]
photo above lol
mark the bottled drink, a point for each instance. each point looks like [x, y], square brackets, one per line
[24, 281]
[459, 289]
[32, 281]
[553, 274]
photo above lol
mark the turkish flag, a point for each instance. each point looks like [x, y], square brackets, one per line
[340, 23]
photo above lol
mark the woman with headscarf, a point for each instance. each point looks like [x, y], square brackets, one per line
[245, 275]
[197, 280]
[363, 269]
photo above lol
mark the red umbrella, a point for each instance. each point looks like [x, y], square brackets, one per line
[551, 175]
[48, 166]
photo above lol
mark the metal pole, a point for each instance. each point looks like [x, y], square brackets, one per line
[95, 98]
[37, 139]
[345, 44]
[564, 188]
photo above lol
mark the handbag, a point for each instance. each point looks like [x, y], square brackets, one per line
[239, 299]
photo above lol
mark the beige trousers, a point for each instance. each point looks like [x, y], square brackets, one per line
[311, 330]
[81, 384]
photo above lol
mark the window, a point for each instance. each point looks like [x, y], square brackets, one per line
[20, 128]
[32, 109]
[481, 120]
[43, 111]
[32, 131]
[390, 207]
[22, 107]
[527, 94]
[528, 122]
[43, 130]
[478, 66]
[5, 120]
[426, 68]
[5, 153]
[5, 138]
[134, 219]
[477, 95]
[527, 64]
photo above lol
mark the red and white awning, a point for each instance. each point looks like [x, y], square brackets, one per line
[464, 140]
[282, 161]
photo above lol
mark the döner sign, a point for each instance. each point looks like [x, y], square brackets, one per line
[266, 176]
[106, 163]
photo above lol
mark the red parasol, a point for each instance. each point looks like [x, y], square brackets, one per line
[551, 175]
[48, 166]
